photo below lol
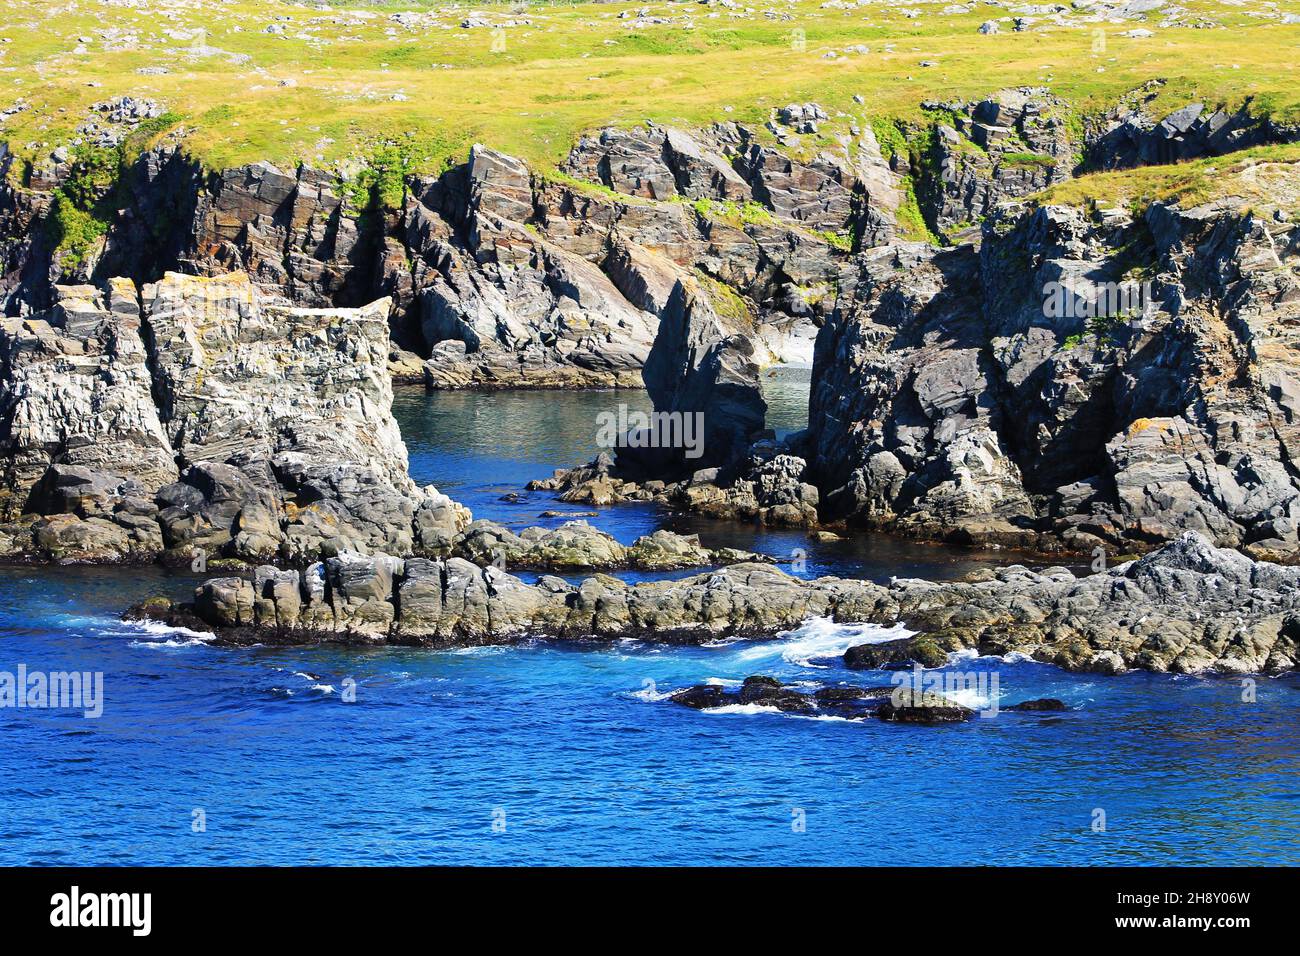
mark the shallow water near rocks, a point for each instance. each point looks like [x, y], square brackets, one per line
[544, 754]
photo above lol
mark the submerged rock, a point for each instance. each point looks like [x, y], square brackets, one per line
[849, 703]
[901, 653]
[923, 708]
[1044, 705]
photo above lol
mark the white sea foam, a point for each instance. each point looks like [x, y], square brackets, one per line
[970, 697]
[747, 709]
[650, 694]
[971, 654]
[820, 639]
[751, 710]
[170, 636]
[481, 650]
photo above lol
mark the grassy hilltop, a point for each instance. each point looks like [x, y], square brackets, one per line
[327, 83]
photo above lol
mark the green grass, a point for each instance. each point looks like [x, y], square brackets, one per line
[326, 93]
[837, 240]
[1263, 178]
[748, 213]
[725, 301]
[73, 231]
[83, 205]
[1028, 159]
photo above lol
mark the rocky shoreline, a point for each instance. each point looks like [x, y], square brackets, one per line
[1185, 608]
[239, 409]
[949, 403]
[953, 400]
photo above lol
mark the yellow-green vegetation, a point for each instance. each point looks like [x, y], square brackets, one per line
[911, 142]
[726, 303]
[1103, 328]
[837, 240]
[83, 205]
[747, 213]
[1263, 177]
[331, 85]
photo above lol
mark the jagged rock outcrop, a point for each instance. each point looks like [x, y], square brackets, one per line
[1012, 144]
[199, 418]
[767, 484]
[1037, 412]
[769, 487]
[291, 231]
[77, 395]
[1130, 135]
[521, 311]
[850, 191]
[524, 282]
[498, 276]
[905, 425]
[704, 373]
[287, 411]
[1187, 608]
[80, 436]
[576, 545]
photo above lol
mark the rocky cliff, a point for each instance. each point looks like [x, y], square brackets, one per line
[947, 403]
[962, 393]
[498, 276]
[196, 417]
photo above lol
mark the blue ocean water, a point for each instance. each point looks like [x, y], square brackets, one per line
[545, 754]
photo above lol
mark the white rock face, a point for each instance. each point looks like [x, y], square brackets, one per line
[247, 383]
[76, 392]
[207, 420]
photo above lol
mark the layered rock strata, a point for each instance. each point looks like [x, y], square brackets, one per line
[998, 396]
[197, 418]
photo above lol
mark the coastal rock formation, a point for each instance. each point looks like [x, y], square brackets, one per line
[1187, 607]
[702, 368]
[853, 192]
[689, 260]
[895, 703]
[523, 307]
[291, 231]
[521, 281]
[1012, 144]
[990, 397]
[903, 413]
[1130, 135]
[280, 419]
[498, 276]
[80, 436]
[77, 397]
[199, 418]
[768, 485]
[576, 545]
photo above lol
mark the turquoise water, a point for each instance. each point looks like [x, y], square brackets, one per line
[543, 754]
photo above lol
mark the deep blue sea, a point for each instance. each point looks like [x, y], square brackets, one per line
[547, 755]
